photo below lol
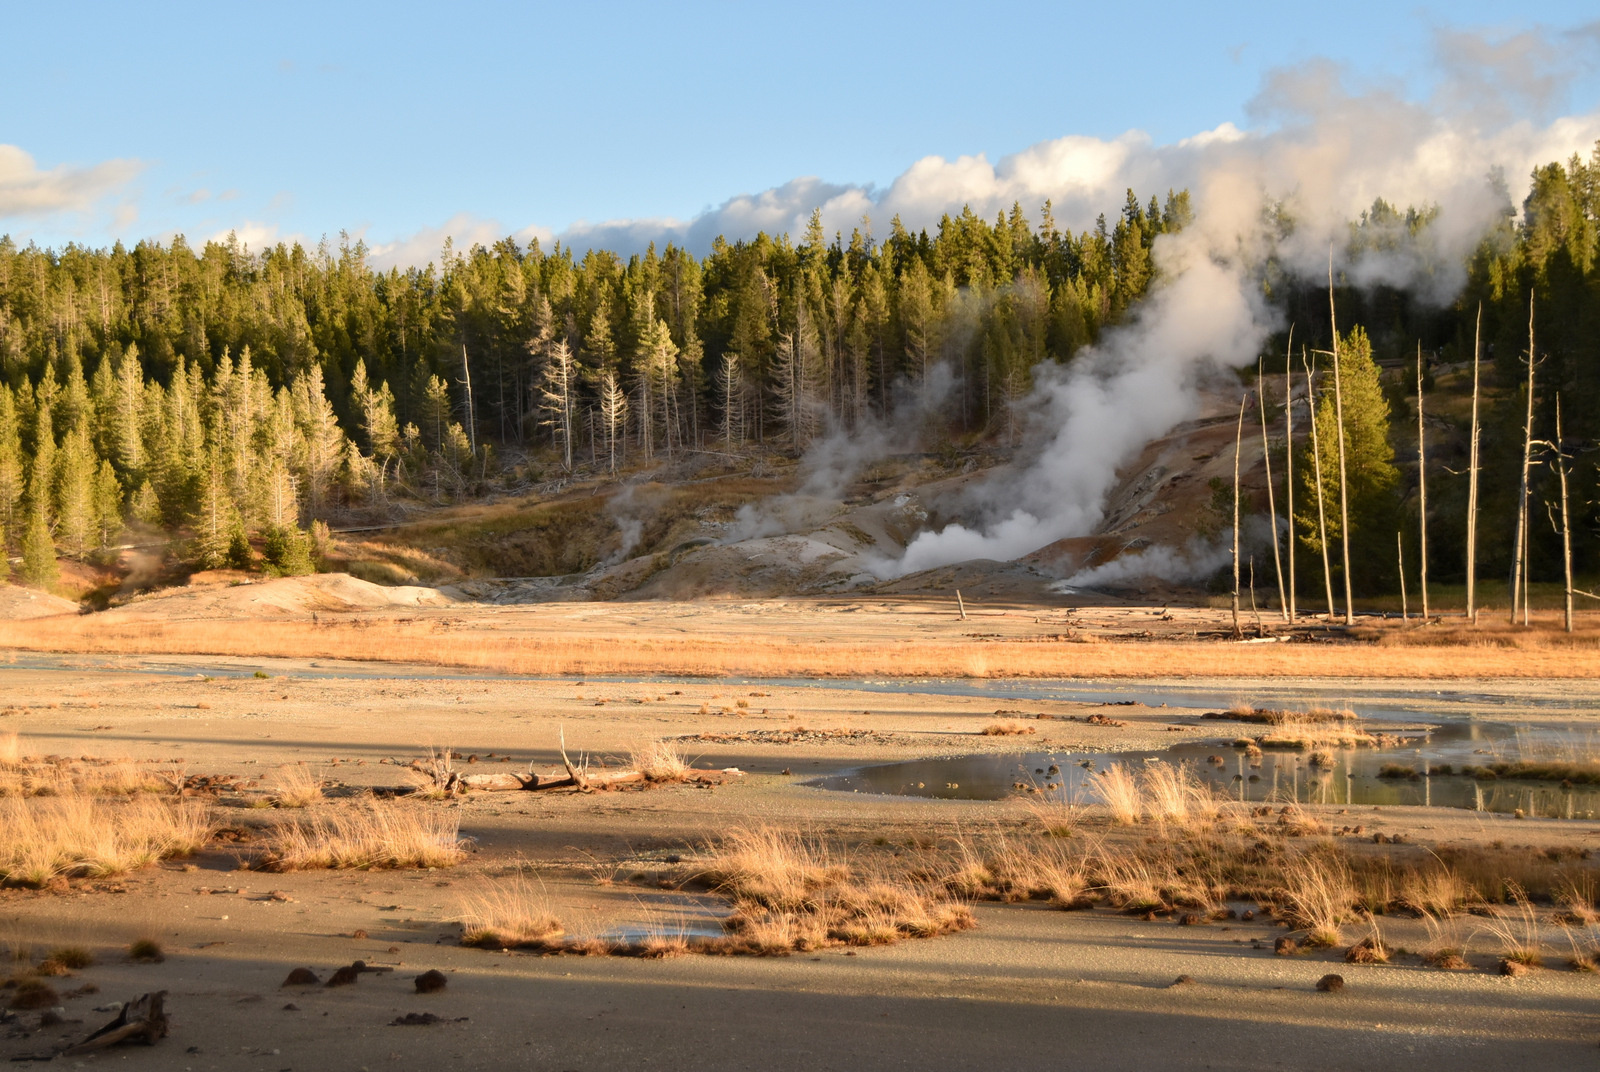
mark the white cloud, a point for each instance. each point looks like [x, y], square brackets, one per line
[28, 190]
[463, 229]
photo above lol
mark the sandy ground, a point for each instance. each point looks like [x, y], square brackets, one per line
[1030, 988]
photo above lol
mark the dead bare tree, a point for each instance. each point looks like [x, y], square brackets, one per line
[1344, 492]
[1472, 479]
[1238, 443]
[1422, 490]
[1566, 519]
[1288, 458]
[1400, 559]
[1272, 505]
[1316, 462]
[1519, 568]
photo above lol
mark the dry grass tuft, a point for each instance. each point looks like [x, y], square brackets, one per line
[146, 951]
[1007, 729]
[10, 749]
[294, 787]
[659, 761]
[368, 835]
[790, 894]
[509, 914]
[1166, 792]
[1517, 928]
[41, 838]
[1318, 894]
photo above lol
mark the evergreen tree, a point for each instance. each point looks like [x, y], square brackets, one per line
[1369, 460]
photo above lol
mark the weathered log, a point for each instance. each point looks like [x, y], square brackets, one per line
[143, 1018]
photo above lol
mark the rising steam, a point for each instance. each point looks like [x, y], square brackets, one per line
[1331, 154]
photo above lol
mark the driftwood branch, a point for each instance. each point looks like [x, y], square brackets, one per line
[143, 1019]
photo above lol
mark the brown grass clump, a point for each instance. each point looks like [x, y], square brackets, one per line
[10, 749]
[659, 761]
[41, 838]
[71, 957]
[369, 835]
[1305, 736]
[294, 787]
[34, 994]
[1162, 791]
[1318, 894]
[1119, 789]
[789, 893]
[1007, 729]
[1517, 928]
[509, 914]
[146, 951]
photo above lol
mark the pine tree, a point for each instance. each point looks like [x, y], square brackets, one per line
[75, 498]
[39, 568]
[13, 476]
[1373, 480]
[107, 505]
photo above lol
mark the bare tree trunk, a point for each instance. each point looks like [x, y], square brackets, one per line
[1322, 514]
[1422, 490]
[1238, 443]
[472, 421]
[1272, 505]
[1344, 487]
[1288, 458]
[1566, 521]
[1519, 567]
[1472, 480]
[1400, 557]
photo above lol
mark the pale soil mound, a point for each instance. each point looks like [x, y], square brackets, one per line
[20, 604]
[281, 597]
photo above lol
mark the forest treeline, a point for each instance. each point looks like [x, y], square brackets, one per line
[232, 395]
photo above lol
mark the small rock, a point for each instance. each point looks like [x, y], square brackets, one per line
[1330, 984]
[1285, 946]
[291, 1007]
[302, 977]
[1190, 919]
[430, 981]
[1183, 980]
[358, 933]
[1513, 968]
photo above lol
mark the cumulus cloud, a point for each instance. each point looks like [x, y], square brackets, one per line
[463, 230]
[27, 190]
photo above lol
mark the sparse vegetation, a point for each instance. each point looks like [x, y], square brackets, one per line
[367, 835]
[45, 837]
[294, 786]
[509, 913]
[659, 761]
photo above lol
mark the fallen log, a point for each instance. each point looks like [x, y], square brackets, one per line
[528, 781]
[143, 1018]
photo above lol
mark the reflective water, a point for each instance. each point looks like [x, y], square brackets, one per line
[1272, 776]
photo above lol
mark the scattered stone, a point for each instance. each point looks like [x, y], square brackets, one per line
[1513, 968]
[358, 933]
[291, 1007]
[1330, 984]
[1190, 919]
[430, 981]
[1183, 980]
[302, 977]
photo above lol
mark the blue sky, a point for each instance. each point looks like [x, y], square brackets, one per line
[401, 122]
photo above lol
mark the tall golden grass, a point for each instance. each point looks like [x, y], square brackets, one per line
[1168, 792]
[419, 641]
[294, 786]
[368, 835]
[508, 913]
[659, 761]
[43, 837]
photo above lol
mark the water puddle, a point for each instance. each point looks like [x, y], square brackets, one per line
[1354, 778]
